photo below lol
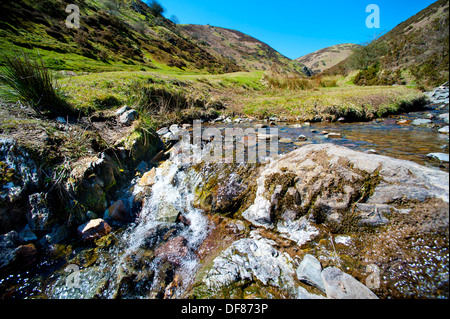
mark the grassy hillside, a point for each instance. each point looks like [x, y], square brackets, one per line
[326, 58]
[415, 52]
[113, 35]
[244, 50]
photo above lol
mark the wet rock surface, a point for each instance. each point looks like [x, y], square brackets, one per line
[19, 176]
[325, 190]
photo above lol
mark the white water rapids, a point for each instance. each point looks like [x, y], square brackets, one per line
[174, 186]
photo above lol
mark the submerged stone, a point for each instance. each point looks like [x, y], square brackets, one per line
[419, 122]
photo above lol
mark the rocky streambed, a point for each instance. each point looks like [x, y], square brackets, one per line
[330, 217]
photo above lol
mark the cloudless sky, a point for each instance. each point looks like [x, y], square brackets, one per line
[296, 27]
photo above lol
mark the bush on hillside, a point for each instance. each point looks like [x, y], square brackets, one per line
[156, 8]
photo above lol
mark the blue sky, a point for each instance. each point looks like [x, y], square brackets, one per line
[296, 27]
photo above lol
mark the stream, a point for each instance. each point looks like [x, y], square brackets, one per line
[125, 266]
[384, 136]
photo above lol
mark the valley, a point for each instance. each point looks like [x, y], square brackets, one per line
[106, 193]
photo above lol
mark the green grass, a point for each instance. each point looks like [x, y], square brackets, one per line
[245, 94]
[354, 103]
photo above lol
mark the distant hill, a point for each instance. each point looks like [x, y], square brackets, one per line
[328, 57]
[113, 35]
[120, 34]
[416, 51]
[244, 50]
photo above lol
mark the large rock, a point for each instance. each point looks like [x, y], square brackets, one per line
[251, 260]
[225, 188]
[444, 117]
[339, 285]
[140, 145]
[331, 179]
[90, 180]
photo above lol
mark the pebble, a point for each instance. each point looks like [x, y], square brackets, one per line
[334, 135]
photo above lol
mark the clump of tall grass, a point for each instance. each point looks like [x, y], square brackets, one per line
[163, 100]
[296, 82]
[29, 82]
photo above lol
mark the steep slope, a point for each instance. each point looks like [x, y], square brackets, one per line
[328, 57]
[421, 45]
[414, 52]
[113, 35]
[244, 50]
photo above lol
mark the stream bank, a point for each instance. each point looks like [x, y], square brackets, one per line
[327, 212]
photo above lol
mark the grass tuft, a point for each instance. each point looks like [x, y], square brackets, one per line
[29, 82]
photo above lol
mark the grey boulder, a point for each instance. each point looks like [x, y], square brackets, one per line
[339, 285]
[310, 271]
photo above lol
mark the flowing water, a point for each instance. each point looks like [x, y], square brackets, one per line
[129, 269]
[383, 136]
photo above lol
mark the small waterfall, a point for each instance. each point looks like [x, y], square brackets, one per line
[134, 267]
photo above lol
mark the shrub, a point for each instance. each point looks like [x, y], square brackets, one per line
[156, 8]
[30, 82]
[368, 76]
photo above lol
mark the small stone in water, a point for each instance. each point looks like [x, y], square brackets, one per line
[444, 130]
[334, 135]
[439, 156]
